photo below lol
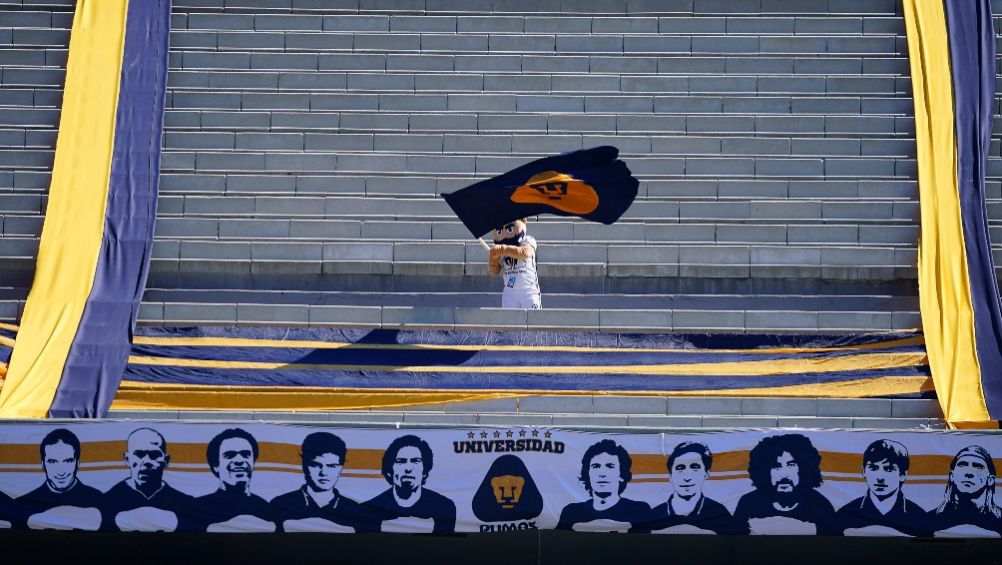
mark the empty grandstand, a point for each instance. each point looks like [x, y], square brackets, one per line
[306, 145]
[306, 272]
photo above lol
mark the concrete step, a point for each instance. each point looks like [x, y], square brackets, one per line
[612, 311]
[642, 320]
[175, 187]
[534, 9]
[470, 164]
[846, 231]
[549, 253]
[612, 412]
[336, 112]
[786, 147]
[571, 23]
[315, 40]
[891, 100]
[324, 262]
[487, 299]
[378, 71]
[291, 206]
[801, 82]
[11, 309]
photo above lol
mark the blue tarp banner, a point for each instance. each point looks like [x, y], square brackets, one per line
[323, 369]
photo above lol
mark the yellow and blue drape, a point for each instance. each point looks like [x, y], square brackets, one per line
[951, 45]
[75, 334]
[322, 369]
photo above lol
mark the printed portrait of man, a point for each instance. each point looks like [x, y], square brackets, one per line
[62, 502]
[688, 510]
[785, 470]
[144, 501]
[407, 506]
[318, 506]
[968, 507]
[883, 510]
[605, 472]
[231, 456]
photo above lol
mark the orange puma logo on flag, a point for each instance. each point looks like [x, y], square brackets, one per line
[589, 183]
[559, 190]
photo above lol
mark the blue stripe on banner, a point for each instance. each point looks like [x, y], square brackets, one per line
[488, 381]
[480, 360]
[537, 338]
[100, 350]
[483, 358]
[972, 58]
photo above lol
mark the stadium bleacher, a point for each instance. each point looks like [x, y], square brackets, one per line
[307, 143]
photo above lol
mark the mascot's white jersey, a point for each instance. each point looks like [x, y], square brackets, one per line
[521, 284]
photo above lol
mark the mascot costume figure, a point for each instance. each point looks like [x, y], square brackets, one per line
[514, 258]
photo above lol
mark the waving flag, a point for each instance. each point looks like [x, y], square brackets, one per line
[591, 183]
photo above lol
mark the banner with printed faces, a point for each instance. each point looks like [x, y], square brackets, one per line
[257, 477]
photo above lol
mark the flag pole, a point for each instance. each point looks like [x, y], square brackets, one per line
[483, 244]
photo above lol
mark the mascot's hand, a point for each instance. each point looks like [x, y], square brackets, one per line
[496, 253]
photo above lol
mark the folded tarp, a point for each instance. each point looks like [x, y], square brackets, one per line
[314, 368]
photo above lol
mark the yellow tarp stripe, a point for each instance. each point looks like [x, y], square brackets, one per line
[75, 214]
[944, 286]
[315, 344]
[733, 368]
[134, 395]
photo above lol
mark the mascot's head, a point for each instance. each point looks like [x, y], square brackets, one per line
[511, 233]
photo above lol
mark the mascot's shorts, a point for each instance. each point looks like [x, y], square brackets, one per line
[526, 302]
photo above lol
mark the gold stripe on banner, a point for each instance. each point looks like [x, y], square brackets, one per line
[732, 368]
[367, 463]
[8, 327]
[111, 453]
[134, 395]
[146, 396]
[315, 344]
[75, 214]
[944, 287]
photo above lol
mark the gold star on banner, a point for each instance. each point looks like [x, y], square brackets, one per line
[483, 435]
[521, 433]
[508, 434]
[497, 434]
[535, 433]
[469, 435]
[547, 435]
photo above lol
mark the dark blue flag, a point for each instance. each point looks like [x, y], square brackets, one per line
[591, 183]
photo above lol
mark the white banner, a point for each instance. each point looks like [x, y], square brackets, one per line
[255, 477]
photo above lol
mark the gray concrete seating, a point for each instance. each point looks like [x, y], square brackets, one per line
[307, 142]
